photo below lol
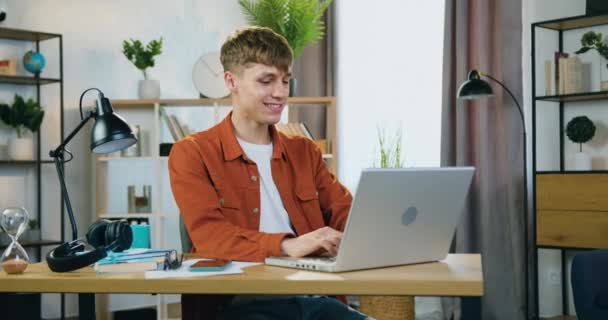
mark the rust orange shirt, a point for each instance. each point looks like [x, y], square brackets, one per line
[217, 190]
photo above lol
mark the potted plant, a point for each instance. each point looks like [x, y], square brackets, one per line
[595, 41]
[390, 151]
[23, 116]
[300, 22]
[580, 130]
[143, 58]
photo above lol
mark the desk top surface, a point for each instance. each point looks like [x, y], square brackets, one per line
[457, 275]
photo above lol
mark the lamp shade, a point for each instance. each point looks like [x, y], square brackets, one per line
[110, 132]
[474, 87]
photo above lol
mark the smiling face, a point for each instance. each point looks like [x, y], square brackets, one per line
[259, 93]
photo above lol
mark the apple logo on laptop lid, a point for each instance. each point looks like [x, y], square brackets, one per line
[409, 216]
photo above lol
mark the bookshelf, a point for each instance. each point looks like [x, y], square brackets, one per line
[114, 173]
[38, 177]
[567, 212]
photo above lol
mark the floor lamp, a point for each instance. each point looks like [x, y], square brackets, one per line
[476, 88]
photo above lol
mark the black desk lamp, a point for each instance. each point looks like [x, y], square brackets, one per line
[476, 88]
[110, 133]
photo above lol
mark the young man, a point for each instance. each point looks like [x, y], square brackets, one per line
[247, 192]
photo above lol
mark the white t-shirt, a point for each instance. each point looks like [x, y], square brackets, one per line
[273, 216]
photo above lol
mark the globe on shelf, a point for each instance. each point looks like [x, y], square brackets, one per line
[33, 61]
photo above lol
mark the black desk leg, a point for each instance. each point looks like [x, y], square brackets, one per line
[86, 306]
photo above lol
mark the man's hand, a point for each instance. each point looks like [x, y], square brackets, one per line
[321, 240]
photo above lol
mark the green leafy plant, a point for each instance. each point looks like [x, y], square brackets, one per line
[22, 115]
[390, 149]
[299, 21]
[142, 58]
[32, 224]
[592, 40]
[580, 130]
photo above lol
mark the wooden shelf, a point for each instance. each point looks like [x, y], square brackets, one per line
[37, 243]
[570, 23]
[24, 162]
[26, 80]
[575, 97]
[26, 35]
[572, 172]
[137, 103]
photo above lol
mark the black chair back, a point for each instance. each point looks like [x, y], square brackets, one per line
[590, 284]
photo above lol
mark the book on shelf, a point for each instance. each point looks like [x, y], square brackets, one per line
[573, 75]
[559, 84]
[177, 129]
[570, 75]
[178, 126]
[548, 81]
[170, 125]
[297, 129]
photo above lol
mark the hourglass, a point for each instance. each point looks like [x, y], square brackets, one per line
[14, 221]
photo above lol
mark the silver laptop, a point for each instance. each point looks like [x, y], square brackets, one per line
[398, 216]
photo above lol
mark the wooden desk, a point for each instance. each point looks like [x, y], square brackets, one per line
[457, 275]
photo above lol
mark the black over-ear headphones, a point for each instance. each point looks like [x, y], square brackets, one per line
[104, 235]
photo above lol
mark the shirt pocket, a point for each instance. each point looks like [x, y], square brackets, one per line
[229, 202]
[308, 199]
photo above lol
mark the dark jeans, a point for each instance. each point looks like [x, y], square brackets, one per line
[296, 308]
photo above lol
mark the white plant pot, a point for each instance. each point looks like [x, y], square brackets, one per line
[21, 148]
[149, 89]
[582, 161]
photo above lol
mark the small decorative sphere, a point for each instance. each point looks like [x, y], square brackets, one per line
[33, 61]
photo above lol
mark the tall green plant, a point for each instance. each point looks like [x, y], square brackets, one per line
[299, 21]
[22, 115]
[142, 58]
[390, 149]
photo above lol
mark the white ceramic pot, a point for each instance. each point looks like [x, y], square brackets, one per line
[582, 161]
[21, 148]
[149, 89]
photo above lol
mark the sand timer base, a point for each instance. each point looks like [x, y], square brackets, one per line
[14, 266]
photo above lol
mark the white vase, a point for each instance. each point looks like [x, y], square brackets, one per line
[582, 161]
[21, 148]
[149, 89]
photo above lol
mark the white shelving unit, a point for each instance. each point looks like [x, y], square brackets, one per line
[113, 174]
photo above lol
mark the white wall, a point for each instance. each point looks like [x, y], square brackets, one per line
[547, 123]
[92, 35]
[388, 74]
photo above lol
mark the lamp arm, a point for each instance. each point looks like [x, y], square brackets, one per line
[59, 150]
[521, 113]
[57, 154]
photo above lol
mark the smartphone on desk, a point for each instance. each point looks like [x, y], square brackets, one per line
[209, 265]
